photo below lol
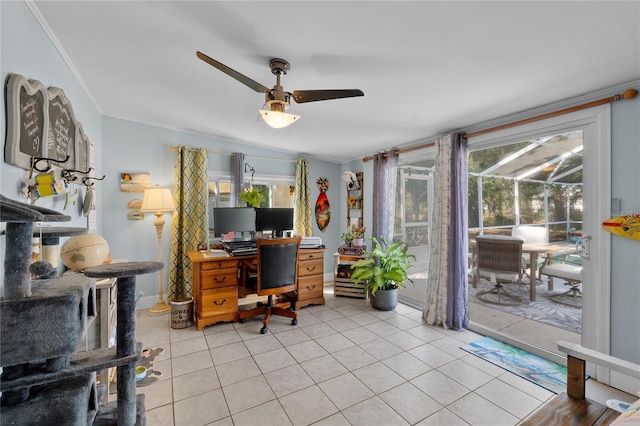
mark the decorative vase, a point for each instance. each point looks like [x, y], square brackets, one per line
[384, 300]
[358, 242]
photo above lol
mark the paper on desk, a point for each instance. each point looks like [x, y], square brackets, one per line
[216, 253]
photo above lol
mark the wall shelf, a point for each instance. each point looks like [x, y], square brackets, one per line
[355, 198]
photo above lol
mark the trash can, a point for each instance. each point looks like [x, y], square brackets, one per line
[181, 313]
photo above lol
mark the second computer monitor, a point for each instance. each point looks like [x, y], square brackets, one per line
[275, 219]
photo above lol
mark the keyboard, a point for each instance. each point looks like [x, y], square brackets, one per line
[246, 251]
[230, 245]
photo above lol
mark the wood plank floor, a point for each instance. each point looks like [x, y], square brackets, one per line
[566, 411]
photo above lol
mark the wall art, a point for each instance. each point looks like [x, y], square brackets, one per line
[41, 124]
[323, 209]
[134, 182]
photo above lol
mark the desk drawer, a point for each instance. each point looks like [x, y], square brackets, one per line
[310, 287]
[218, 278]
[310, 267]
[220, 301]
[219, 264]
[305, 255]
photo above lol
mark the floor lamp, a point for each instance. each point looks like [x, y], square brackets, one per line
[158, 201]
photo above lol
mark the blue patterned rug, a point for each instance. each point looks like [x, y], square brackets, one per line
[545, 373]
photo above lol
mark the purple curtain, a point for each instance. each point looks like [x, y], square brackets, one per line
[385, 171]
[458, 288]
[446, 301]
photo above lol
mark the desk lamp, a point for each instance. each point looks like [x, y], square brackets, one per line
[158, 201]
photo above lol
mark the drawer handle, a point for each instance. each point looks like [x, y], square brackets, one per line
[311, 269]
[222, 302]
[311, 288]
[221, 281]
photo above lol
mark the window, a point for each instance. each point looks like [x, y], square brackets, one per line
[277, 190]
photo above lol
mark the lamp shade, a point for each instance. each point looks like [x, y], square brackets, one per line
[157, 199]
[277, 119]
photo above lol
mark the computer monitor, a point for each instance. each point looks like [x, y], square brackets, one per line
[234, 219]
[276, 219]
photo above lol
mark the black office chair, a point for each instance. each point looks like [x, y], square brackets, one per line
[276, 273]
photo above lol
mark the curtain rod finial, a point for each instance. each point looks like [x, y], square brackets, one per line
[630, 93]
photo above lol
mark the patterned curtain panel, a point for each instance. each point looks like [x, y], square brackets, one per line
[302, 223]
[385, 176]
[191, 218]
[446, 301]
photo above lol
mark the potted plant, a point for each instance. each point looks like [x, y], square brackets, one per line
[358, 234]
[383, 272]
[252, 197]
[347, 237]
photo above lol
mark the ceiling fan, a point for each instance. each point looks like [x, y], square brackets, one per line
[277, 98]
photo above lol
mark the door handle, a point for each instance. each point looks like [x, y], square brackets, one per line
[585, 246]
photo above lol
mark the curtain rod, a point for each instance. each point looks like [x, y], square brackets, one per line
[175, 148]
[400, 151]
[628, 94]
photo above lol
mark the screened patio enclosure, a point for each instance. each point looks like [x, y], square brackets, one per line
[535, 182]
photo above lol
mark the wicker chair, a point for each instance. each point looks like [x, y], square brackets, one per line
[499, 258]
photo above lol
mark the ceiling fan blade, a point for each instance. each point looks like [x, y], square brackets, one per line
[301, 96]
[233, 73]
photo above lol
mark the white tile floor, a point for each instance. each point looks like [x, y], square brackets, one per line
[343, 364]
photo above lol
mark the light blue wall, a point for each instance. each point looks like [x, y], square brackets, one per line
[135, 147]
[625, 253]
[27, 50]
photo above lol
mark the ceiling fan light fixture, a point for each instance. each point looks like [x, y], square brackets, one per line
[276, 117]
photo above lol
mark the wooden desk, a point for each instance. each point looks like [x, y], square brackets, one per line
[216, 284]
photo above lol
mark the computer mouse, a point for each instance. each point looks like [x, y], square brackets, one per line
[321, 246]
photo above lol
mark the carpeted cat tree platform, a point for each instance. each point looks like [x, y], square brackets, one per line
[41, 322]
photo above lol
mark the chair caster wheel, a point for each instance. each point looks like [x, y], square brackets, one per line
[264, 330]
[242, 320]
[294, 322]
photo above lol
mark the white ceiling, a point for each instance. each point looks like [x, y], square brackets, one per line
[425, 67]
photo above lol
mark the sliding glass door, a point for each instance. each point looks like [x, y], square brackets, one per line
[413, 217]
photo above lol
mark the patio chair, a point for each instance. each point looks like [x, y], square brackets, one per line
[572, 274]
[499, 258]
[530, 235]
